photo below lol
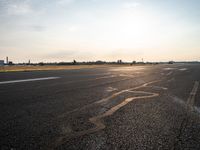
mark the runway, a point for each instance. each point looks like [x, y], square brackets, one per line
[132, 107]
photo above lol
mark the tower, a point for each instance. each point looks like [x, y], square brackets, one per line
[7, 60]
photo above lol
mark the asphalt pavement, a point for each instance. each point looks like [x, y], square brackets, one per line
[126, 107]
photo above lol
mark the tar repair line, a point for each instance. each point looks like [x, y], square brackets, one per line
[97, 120]
[28, 80]
[102, 100]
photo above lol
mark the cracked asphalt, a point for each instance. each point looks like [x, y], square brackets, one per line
[122, 107]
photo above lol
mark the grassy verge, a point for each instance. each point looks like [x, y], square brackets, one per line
[42, 68]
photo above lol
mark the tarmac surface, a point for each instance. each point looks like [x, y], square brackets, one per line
[135, 107]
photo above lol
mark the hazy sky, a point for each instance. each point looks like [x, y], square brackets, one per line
[63, 30]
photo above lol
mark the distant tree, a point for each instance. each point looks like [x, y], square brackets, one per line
[74, 62]
[10, 63]
[119, 61]
[100, 62]
[134, 62]
[41, 64]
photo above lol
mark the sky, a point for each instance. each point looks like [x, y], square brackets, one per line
[90, 30]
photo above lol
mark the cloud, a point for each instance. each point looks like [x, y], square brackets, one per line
[129, 5]
[38, 28]
[65, 2]
[21, 7]
[18, 7]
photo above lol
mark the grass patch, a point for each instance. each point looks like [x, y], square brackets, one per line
[43, 68]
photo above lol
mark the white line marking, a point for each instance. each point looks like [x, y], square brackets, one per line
[111, 89]
[28, 80]
[159, 87]
[197, 109]
[177, 100]
[104, 77]
[191, 98]
[169, 68]
[183, 69]
[169, 73]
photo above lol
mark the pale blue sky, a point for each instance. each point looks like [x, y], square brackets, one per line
[63, 30]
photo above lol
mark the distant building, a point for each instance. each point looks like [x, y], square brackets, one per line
[1, 62]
